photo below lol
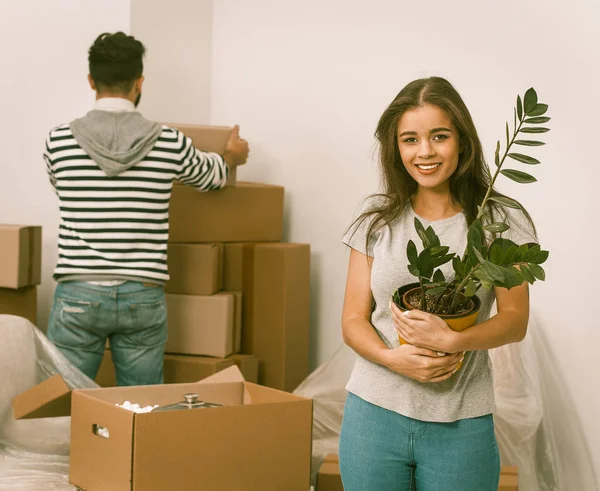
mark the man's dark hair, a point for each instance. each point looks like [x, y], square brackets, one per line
[115, 62]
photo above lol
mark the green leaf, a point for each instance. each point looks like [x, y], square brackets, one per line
[507, 136]
[456, 265]
[523, 158]
[515, 118]
[497, 253]
[425, 265]
[537, 271]
[539, 129]
[512, 277]
[433, 238]
[529, 143]
[539, 110]
[414, 270]
[481, 275]
[539, 257]
[422, 234]
[470, 289]
[503, 200]
[435, 291]
[527, 274]
[518, 176]
[497, 227]
[495, 272]
[521, 253]
[479, 256]
[438, 261]
[497, 155]
[530, 101]
[543, 119]
[519, 108]
[533, 249]
[509, 257]
[438, 276]
[439, 250]
[411, 252]
[475, 240]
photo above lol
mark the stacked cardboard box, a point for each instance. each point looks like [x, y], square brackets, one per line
[20, 270]
[236, 292]
[329, 479]
[245, 222]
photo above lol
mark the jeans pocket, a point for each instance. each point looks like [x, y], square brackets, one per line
[148, 323]
[73, 322]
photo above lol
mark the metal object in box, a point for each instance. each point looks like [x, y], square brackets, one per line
[190, 402]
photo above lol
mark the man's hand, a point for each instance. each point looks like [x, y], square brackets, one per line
[236, 151]
[422, 364]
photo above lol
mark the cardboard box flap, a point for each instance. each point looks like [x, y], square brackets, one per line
[49, 399]
[231, 374]
[332, 458]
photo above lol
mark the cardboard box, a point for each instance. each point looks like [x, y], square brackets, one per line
[20, 256]
[21, 302]
[328, 477]
[178, 369]
[259, 441]
[509, 479]
[204, 325]
[195, 269]
[248, 365]
[249, 212]
[106, 376]
[209, 139]
[275, 282]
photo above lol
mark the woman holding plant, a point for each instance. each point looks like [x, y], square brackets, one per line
[413, 419]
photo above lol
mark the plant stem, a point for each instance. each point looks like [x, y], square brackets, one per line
[423, 305]
[462, 284]
[482, 208]
[493, 181]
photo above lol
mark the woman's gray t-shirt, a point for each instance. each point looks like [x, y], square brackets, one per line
[469, 392]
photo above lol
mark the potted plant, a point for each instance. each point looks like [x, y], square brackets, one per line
[485, 262]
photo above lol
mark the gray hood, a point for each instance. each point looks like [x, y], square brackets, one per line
[115, 140]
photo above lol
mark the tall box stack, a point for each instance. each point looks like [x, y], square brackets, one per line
[20, 270]
[274, 279]
[236, 291]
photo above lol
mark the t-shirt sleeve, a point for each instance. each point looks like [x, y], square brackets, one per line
[356, 236]
[521, 231]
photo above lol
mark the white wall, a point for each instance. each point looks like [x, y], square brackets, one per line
[308, 80]
[43, 50]
[177, 36]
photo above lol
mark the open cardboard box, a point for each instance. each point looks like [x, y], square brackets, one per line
[260, 440]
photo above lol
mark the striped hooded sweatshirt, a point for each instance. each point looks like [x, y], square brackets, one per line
[113, 171]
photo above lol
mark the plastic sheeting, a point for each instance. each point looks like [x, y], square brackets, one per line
[530, 417]
[533, 432]
[34, 454]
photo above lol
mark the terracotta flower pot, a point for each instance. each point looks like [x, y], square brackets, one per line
[456, 322]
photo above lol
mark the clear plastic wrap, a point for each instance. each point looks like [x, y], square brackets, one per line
[533, 432]
[529, 420]
[34, 454]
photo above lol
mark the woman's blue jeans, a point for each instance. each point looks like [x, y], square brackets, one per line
[383, 450]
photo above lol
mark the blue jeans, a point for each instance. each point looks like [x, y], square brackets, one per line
[383, 450]
[133, 316]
